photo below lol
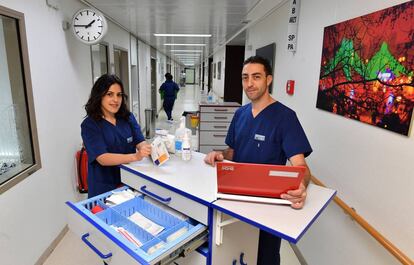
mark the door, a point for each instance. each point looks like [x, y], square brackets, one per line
[189, 76]
[121, 66]
[203, 67]
[99, 54]
[210, 73]
[233, 90]
[153, 83]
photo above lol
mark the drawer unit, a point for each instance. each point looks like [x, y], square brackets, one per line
[215, 120]
[214, 126]
[168, 197]
[216, 108]
[179, 237]
[212, 137]
[216, 117]
[208, 148]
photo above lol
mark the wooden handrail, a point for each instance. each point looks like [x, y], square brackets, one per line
[371, 230]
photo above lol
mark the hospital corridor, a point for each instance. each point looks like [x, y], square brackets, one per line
[206, 132]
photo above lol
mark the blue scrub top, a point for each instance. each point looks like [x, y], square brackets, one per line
[272, 137]
[170, 89]
[100, 137]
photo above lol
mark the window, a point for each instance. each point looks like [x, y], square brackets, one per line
[189, 75]
[99, 53]
[19, 149]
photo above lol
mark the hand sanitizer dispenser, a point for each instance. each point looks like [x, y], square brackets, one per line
[179, 135]
[186, 146]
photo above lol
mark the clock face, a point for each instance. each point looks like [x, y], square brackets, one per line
[89, 26]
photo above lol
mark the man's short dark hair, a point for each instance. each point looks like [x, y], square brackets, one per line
[168, 76]
[260, 60]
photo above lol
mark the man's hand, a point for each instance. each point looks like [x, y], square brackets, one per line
[212, 157]
[297, 197]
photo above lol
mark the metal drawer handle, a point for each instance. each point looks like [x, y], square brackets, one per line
[164, 200]
[218, 135]
[241, 259]
[220, 118]
[220, 109]
[220, 127]
[100, 254]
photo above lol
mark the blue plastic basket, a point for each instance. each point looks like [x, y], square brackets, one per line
[148, 210]
[118, 216]
[111, 217]
[100, 199]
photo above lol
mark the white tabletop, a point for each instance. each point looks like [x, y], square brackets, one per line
[198, 179]
[193, 177]
[281, 220]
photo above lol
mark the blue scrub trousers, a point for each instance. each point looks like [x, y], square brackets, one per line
[168, 106]
[269, 249]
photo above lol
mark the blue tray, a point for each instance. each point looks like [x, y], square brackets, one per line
[118, 216]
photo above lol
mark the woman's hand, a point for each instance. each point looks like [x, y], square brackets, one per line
[297, 197]
[143, 150]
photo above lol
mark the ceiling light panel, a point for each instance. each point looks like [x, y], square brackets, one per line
[182, 35]
[184, 44]
[187, 54]
[187, 51]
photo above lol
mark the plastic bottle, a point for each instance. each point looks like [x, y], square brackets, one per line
[203, 96]
[186, 146]
[210, 96]
[179, 135]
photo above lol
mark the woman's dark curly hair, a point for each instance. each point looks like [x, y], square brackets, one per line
[100, 88]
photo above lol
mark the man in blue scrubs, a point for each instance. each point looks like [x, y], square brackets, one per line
[169, 90]
[266, 132]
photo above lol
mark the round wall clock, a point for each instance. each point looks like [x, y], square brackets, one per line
[89, 26]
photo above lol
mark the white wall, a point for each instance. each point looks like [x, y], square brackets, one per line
[161, 71]
[134, 87]
[33, 212]
[368, 166]
[144, 69]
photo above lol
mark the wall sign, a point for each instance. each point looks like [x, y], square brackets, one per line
[293, 25]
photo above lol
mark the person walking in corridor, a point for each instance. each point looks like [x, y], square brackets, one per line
[168, 91]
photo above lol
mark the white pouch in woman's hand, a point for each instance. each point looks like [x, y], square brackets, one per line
[159, 152]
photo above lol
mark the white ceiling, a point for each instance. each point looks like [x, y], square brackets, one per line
[220, 18]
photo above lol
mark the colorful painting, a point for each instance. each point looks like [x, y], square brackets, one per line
[367, 68]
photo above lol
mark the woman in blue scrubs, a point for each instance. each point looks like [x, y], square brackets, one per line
[266, 132]
[111, 135]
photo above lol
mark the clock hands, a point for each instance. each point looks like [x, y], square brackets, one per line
[85, 26]
[90, 24]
